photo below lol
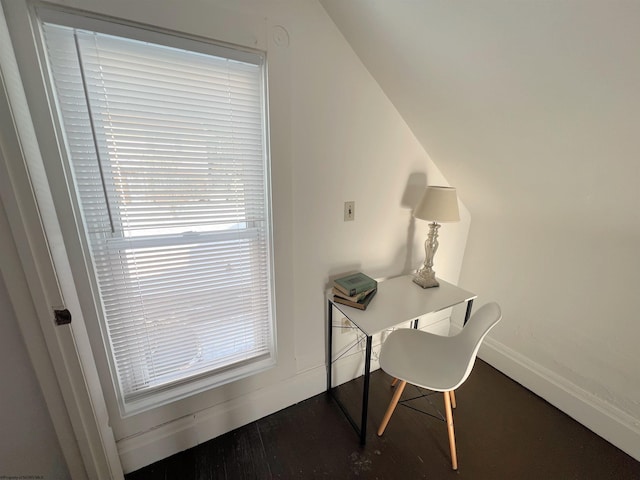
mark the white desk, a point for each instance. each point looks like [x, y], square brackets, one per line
[397, 301]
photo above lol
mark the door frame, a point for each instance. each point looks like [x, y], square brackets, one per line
[65, 368]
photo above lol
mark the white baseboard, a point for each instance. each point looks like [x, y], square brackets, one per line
[176, 436]
[604, 419]
[187, 432]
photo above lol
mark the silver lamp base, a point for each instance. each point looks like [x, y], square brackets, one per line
[426, 278]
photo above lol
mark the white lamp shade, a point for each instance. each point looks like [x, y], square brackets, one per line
[438, 204]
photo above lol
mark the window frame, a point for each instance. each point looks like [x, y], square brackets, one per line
[117, 27]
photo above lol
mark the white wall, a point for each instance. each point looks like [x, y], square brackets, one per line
[531, 109]
[28, 444]
[334, 137]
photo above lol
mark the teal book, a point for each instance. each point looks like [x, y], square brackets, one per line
[361, 305]
[355, 298]
[354, 284]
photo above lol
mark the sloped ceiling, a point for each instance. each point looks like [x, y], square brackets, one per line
[532, 110]
[504, 94]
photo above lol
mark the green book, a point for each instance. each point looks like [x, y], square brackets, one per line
[354, 284]
[356, 298]
[361, 305]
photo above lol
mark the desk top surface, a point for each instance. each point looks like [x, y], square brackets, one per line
[400, 300]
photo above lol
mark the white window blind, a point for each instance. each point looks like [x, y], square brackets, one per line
[168, 156]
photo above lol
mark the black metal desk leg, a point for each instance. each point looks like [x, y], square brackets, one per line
[468, 314]
[330, 345]
[365, 393]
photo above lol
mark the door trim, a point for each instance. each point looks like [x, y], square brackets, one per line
[65, 369]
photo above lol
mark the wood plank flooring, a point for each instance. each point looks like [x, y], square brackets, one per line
[503, 431]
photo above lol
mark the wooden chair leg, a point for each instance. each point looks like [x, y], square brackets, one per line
[391, 407]
[452, 437]
[453, 398]
[393, 382]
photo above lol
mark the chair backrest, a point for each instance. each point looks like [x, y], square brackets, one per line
[473, 333]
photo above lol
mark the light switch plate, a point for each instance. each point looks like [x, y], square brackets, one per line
[349, 211]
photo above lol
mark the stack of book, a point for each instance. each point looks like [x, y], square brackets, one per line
[355, 290]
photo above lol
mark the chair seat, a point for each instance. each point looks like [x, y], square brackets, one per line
[435, 362]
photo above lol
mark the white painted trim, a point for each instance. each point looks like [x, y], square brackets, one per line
[598, 415]
[13, 244]
[187, 432]
[27, 319]
[89, 446]
[148, 447]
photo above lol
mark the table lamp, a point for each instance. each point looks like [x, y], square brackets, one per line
[438, 204]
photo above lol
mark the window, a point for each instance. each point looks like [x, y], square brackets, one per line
[166, 145]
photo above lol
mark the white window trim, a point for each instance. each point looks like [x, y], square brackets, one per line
[90, 22]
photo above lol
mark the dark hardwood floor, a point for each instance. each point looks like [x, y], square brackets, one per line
[503, 431]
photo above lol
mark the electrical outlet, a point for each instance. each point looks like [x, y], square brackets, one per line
[349, 211]
[346, 325]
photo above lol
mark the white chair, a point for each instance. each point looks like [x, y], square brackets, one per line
[435, 362]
